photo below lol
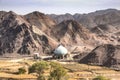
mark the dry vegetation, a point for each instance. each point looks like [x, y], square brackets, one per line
[8, 69]
[76, 71]
[88, 71]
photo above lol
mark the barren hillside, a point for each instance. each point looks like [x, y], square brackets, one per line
[19, 36]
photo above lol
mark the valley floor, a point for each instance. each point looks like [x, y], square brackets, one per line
[76, 71]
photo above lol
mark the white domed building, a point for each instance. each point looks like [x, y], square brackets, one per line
[60, 52]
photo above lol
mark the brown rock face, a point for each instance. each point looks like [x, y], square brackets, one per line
[40, 20]
[105, 55]
[2, 13]
[103, 29]
[18, 36]
[70, 32]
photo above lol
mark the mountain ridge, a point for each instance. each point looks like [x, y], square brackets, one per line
[42, 24]
[92, 33]
[90, 19]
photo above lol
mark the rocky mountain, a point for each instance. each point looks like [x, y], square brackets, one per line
[70, 32]
[18, 36]
[38, 32]
[104, 23]
[61, 18]
[90, 20]
[40, 20]
[104, 55]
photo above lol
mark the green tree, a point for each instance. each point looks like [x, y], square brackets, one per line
[39, 68]
[58, 72]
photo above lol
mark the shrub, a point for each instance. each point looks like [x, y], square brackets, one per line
[39, 68]
[58, 72]
[21, 71]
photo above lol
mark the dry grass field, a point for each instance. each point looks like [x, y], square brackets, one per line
[80, 71]
[8, 68]
[76, 71]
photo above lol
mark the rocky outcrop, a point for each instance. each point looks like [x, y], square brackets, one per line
[104, 55]
[103, 29]
[2, 13]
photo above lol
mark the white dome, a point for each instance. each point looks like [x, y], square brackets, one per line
[60, 50]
